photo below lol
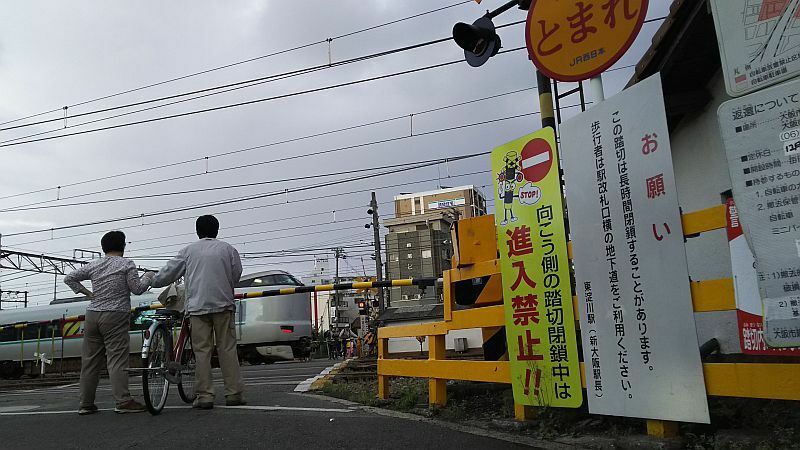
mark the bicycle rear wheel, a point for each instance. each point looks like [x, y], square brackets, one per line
[188, 366]
[154, 385]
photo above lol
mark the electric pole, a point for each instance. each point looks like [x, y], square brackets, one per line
[338, 252]
[373, 209]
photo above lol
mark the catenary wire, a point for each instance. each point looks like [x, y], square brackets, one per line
[225, 66]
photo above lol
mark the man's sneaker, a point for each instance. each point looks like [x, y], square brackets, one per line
[131, 406]
[205, 404]
[235, 400]
[86, 410]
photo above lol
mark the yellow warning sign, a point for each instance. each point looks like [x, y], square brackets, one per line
[537, 295]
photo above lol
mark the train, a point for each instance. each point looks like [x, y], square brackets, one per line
[268, 329]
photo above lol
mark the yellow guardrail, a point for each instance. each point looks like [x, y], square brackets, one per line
[778, 381]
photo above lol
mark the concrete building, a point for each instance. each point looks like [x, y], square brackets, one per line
[466, 200]
[419, 244]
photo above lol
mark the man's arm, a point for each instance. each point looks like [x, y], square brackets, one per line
[172, 271]
[74, 278]
[236, 265]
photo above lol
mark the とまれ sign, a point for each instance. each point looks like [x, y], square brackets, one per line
[537, 295]
[576, 40]
[637, 322]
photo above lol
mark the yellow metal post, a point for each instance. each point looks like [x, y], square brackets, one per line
[437, 388]
[383, 381]
[662, 428]
[524, 412]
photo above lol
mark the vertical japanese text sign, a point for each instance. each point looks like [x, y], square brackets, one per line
[637, 323]
[540, 322]
[761, 135]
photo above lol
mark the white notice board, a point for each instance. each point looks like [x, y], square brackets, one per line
[637, 323]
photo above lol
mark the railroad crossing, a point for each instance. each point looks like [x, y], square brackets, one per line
[275, 417]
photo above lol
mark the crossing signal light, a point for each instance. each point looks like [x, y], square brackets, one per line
[362, 308]
[479, 40]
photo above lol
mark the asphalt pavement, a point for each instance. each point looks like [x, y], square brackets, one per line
[275, 417]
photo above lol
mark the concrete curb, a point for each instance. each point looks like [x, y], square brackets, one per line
[315, 383]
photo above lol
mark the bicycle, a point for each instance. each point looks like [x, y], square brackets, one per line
[166, 363]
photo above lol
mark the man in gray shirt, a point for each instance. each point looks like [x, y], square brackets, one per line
[212, 268]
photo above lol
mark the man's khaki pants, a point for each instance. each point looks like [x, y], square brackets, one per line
[105, 342]
[208, 329]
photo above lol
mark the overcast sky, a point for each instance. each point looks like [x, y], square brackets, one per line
[63, 53]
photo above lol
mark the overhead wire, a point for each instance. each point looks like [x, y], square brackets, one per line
[328, 151]
[236, 63]
[247, 149]
[24, 139]
[135, 217]
[224, 187]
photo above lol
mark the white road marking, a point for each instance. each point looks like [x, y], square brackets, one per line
[18, 408]
[286, 408]
[245, 408]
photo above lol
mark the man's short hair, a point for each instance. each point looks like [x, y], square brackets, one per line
[207, 226]
[113, 241]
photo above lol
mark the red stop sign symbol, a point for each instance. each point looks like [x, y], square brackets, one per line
[537, 158]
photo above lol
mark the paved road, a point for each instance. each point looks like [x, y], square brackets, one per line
[275, 417]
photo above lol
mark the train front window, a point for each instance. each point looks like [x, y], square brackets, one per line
[279, 279]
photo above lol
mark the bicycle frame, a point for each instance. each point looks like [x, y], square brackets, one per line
[176, 351]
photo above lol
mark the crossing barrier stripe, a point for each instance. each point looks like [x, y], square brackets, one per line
[421, 282]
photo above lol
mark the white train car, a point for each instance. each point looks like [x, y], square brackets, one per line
[268, 329]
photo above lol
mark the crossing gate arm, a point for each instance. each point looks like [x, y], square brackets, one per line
[421, 282]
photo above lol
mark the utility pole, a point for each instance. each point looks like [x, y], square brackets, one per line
[338, 252]
[373, 209]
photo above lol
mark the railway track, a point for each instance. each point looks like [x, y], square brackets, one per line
[33, 383]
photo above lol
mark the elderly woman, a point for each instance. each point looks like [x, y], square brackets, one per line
[107, 322]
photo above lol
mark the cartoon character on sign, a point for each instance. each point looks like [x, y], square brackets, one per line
[507, 185]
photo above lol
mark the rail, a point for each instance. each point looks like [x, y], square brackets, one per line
[777, 381]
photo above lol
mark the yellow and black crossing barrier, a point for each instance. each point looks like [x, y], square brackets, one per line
[421, 282]
[67, 322]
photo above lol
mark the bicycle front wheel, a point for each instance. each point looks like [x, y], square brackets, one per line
[154, 385]
[188, 366]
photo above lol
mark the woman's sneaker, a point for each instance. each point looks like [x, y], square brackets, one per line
[131, 406]
[86, 410]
